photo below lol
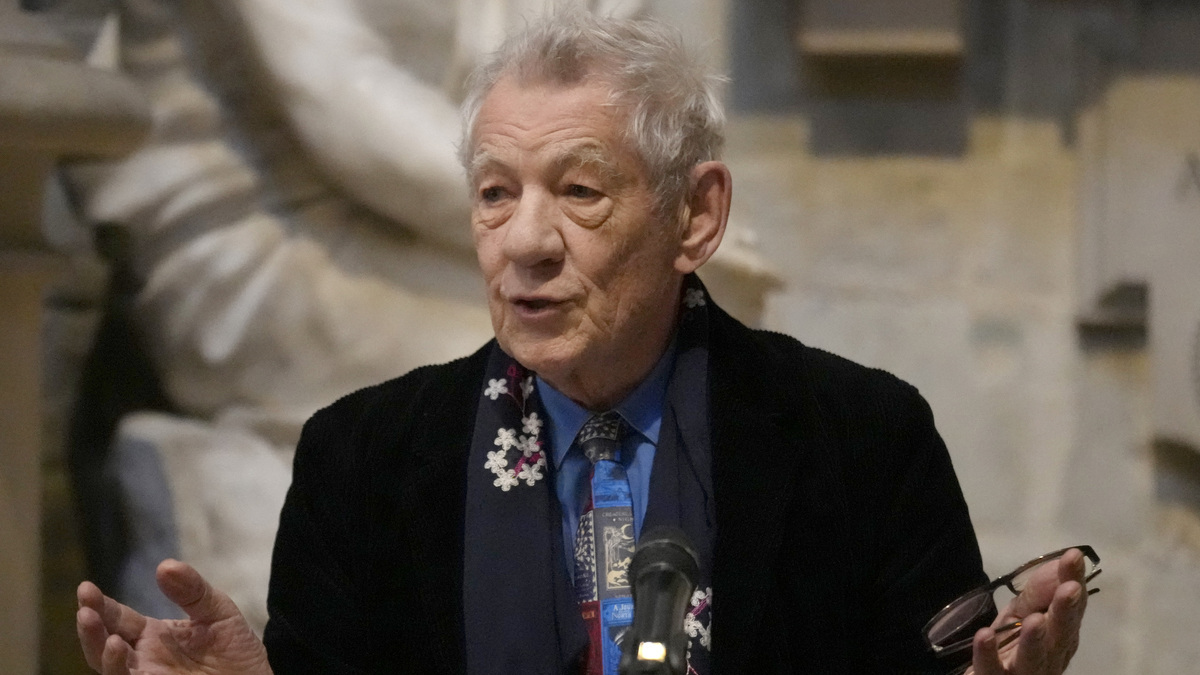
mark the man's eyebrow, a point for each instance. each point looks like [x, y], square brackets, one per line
[481, 160]
[590, 157]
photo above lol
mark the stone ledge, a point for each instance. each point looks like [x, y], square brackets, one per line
[25, 33]
[67, 109]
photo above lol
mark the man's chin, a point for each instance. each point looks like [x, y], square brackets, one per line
[544, 356]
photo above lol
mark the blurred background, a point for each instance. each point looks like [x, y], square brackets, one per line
[217, 216]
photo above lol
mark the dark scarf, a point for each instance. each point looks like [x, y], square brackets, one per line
[519, 607]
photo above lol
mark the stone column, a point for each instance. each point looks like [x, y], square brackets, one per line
[51, 106]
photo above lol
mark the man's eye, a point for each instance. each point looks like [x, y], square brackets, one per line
[491, 194]
[581, 192]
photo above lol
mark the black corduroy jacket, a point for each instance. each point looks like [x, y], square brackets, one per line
[841, 527]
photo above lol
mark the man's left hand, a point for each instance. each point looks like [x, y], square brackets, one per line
[1050, 609]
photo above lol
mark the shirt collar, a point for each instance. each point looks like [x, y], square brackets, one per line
[641, 409]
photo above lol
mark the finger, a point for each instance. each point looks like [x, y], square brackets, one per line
[184, 586]
[116, 657]
[88, 594]
[1070, 567]
[985, 656]
[1063, 622]
[1039, 589]
[117, 618]
[92, 636]
[1031, 646]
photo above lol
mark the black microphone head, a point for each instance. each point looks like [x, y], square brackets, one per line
[663, 575]
[664, 547]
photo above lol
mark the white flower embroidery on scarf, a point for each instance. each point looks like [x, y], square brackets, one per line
[495, 388]
[505, 438]
[496, 460]
[693, 297]
[531, 473]
[699, 630]
[531, 424]
[524, 451]
[528, 445]
[505, 480]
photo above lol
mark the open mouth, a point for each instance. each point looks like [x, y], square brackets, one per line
[536, 308]
[533, 304]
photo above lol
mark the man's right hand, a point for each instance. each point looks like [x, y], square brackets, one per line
[117, 640]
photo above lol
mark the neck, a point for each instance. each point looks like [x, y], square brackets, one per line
[612, 377]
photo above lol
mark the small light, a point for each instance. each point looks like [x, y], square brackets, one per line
[652, 651]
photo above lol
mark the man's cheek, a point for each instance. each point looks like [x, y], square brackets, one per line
[488, 252]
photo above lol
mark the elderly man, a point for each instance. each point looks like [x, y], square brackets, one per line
[478, 516]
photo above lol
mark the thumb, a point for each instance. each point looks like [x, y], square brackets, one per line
[184, 586]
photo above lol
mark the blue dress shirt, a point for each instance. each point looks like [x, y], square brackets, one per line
[641, 410]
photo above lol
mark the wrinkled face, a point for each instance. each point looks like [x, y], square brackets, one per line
[580, 273]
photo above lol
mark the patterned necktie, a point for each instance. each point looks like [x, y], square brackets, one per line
[604, 545]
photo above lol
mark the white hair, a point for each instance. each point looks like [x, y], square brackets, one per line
[674, 116]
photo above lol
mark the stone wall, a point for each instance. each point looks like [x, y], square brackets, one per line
[51, 106]
[958, 268]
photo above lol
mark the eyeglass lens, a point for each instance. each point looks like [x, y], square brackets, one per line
[962, 614]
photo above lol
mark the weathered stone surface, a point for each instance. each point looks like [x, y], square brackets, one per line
[67, 334]
[1166, 612]
[23, 174]
[1142, 226]
[1108, 643]
[1110, 497]
[49, 107]
[957, 275]
[23, 279]
[25, 33]
[225, 488]
[64, 108]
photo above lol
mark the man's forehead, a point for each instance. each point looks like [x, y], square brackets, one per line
[581, 153]
[513, 102]
[558, 125]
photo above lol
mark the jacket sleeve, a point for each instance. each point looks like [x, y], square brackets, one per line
[919, 535]
[316, 620]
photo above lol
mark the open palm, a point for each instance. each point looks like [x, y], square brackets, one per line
[117, 640]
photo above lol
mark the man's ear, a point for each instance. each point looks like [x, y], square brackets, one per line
[706, 214]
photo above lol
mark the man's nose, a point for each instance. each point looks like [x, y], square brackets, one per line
[531, 236]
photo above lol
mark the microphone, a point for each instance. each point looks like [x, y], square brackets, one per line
[663, 576]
